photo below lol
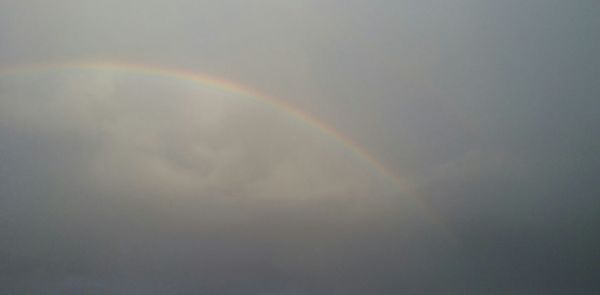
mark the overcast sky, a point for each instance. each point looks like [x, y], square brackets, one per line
[117, 182]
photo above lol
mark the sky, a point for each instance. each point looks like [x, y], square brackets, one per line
[299, 147]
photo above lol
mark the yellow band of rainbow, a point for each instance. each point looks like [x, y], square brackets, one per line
[399, 182]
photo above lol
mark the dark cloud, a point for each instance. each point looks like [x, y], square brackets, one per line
[121, 183]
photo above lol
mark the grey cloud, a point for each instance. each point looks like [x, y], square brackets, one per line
[121, 175]
[120, 183]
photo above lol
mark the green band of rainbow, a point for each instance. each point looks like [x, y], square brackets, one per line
[399, 182]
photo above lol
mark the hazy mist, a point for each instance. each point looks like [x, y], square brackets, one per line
[115, 181]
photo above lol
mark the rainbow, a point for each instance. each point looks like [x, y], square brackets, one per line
[399, 182]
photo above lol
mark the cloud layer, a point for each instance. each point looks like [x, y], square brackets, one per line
[119, 183]
[114, 173]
